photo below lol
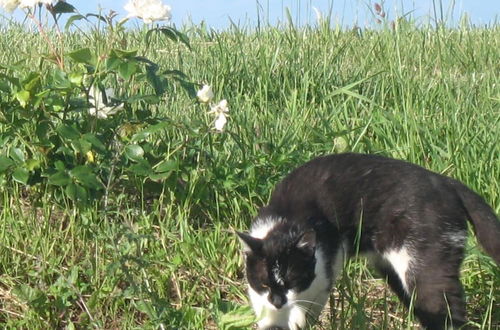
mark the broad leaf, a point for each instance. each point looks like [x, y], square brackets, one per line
[96, 143]
[62, 7]
[83, 55]
[60, 79]
[59, 179]
[5, 163]
[23, 97]
[84, 175]
[68, 132]
[141, 169]
[17, 154]
[134, 152]
[21, 175]
[127, 69]
[166, 166]
[76, 192]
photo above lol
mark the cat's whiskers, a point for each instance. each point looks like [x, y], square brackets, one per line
[307, 301]
[307, 311]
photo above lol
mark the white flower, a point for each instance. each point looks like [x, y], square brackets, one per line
[148, 10]
[205, 94]
[33, 3]
[100, 107]
[220, 122]
[9, 5]
[220, 110]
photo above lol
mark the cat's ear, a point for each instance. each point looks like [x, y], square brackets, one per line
[250, 243]
[307, 242]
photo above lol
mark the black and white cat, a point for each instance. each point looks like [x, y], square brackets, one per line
[412, 221]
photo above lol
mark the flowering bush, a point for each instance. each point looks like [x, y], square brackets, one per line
[81, 137]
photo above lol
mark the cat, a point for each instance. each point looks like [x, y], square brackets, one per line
[413, 223]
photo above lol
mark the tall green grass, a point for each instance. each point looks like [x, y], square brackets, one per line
[170, 260]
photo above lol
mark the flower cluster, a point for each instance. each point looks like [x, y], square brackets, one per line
[148, 10]
[11, 5]
[220, 110]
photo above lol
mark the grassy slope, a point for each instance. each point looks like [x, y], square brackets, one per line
[424, 95]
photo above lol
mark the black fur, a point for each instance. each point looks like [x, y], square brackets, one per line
[375, 204]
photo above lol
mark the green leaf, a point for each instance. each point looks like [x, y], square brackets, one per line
[32, 164]
[113, 62]
[82, 146]
[83, 55]
[59, 179]
[141, 169]
[73, 19]
[170, 33]
[94, 140]
[76, 192]
[68, 132]
[145, 133]
[61, 80]
[84, 175]
[4, 86]
[42, 129]
[159, 83]
[17, 154]
[5, 163]
[100, 17]
[166, 166]
[13, 80]
[21, 175]
[23, 97]
[160, 176]
[31, 81]
[134, 152]
[62, 8]
[127, 69]
[59, 165]
[39, 97]
[76, 78]
[124, 53]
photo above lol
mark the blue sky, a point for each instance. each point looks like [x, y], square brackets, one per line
[217, 13]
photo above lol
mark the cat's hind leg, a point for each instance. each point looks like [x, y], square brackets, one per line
[428, 280]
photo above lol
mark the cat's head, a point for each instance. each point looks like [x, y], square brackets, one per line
[281, 270]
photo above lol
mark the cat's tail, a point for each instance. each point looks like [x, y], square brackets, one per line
[483, 219]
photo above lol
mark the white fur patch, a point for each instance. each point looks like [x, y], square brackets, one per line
[400, 261]
[338, 262]
[276, 274]
[262, 227]
[299, 306]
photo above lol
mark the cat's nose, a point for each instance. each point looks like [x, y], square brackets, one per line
[277, 300]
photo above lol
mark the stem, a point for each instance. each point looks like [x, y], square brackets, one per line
[59, 59]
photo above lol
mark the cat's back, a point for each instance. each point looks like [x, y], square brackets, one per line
[351, 169]
[349, 177]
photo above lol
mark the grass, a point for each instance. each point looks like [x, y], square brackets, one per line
[169, 259]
